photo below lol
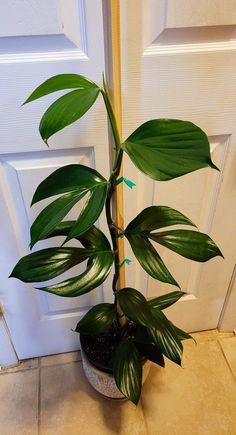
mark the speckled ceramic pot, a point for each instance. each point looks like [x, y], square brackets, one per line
[103, 382]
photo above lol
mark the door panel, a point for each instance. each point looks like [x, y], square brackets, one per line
[181, 65]
[34, 48]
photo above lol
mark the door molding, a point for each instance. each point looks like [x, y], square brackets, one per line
[227, 322]
[8, 356]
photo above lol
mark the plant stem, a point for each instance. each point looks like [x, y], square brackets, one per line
[115, 172]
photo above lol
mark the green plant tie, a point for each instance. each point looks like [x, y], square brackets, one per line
[125, 261]
[128, 183]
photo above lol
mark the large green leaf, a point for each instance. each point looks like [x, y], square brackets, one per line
[139, 230]
[166, 338]
[74, 181]
[149, 259]
[48, 263]
[155, 217]
[147, 347]
[97, 320]
[190, 244]
[182, 334]
[66, 110]
[127, 369]
[98, 267]
[165, 301]
[168, 148]
[58, 83]
[151, 352]
[135, 306]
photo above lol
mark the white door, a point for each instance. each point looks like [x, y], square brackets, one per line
[179, 61]
[39, 39]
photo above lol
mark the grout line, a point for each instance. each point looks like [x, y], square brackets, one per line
[61, 364]
[39, 397]
[228, 364]
[17, 371]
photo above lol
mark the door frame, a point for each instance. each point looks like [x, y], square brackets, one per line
[8, 355]
[227, 321]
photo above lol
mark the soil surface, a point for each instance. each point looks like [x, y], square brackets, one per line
[100, 349]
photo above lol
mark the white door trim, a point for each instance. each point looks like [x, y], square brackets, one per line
[227, 322]
[8, 356]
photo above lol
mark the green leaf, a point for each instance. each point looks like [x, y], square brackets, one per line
[66, 110]
[151, 352]
[139, 230]
[155, 217]
[58, 83]
[135, 306]
[190, 244]
[97, 320]
[149, 259]
[91, 211]
[167, 148]
[166, 338]
[147, 347]
[182, 334]
[98, 267]
[51, 215]
[127, 369]
[48, 263]
[75, 181]
[165, 301]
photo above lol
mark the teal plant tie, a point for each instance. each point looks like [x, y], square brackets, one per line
[128, 183]
[125, 261]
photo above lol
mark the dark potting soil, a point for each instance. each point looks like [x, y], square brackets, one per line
[100, 349]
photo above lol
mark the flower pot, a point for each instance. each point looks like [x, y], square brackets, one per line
[104, 382]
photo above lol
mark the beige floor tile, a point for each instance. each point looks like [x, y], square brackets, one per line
[61, 358]
[70, 406]
[229, 348]
[27, 364]
[198, 399]
[19, 403]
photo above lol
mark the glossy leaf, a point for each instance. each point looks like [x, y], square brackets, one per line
[66, 110]
[58, 83]
[166, 338]
[151, 352]
[165, 301]
[139, 230]
[74, 181]
[135, 306]
[190, 244]
[127, 369]
[48, 263]
[69, 178]
[167, 148]
[155, 217]
[52, 215]
[182, 334]
[149, 259]
[97, 320]
[146, 346]
[141, 335]
[91, 211]
[98, 267]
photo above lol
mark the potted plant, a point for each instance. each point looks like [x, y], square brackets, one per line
[116, 338]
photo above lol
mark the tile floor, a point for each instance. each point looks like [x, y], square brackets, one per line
[50, 396]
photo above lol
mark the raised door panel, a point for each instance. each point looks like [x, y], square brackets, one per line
[181, 66]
